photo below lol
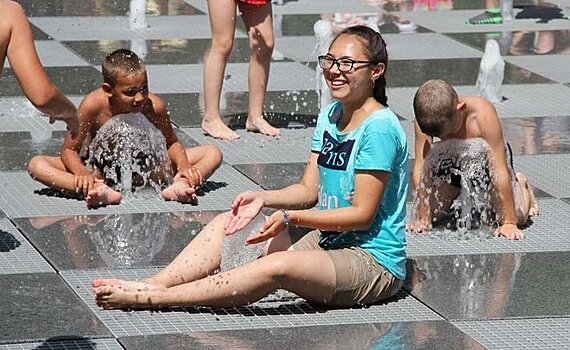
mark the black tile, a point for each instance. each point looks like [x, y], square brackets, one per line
[70, 80]
[537, 135]
[396, 26]
[17, 148]
[458, 71]
[398, 335]
[492, 286]
[54, 8]
[273, 176]
[540, 194]
[521, 42]
[298, 24]
[426, 6]
[283, 108]
[113, 241]
[39, 34]
[41, 306]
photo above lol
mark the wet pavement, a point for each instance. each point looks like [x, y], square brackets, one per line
[472, 294]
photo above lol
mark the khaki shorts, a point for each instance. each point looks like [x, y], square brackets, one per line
[360, 279]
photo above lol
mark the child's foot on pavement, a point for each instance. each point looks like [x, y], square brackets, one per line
[102, 195]
[218, 130]
[262, 126]
[180, 191]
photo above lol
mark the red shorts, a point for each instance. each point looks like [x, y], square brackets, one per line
[254, 2]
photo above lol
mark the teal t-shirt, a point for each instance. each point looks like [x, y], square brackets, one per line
[379, 143]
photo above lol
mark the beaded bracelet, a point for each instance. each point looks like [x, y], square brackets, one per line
[285, 217]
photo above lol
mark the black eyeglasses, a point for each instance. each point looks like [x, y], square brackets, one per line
[343, 64]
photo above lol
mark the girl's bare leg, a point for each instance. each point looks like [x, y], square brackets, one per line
[309, 274]
[200, 258]
[258, 22]
[222, 14]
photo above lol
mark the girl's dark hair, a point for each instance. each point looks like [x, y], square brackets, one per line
[375, 49]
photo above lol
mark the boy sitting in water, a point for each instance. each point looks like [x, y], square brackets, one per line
[441, 113]
[124, 91]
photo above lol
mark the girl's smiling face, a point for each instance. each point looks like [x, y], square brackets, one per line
[356, 83]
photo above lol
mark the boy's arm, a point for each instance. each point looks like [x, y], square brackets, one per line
[71, 147]
[422, 145]
[492, 132]
[30, 73]
[69, 155]
[176, 151]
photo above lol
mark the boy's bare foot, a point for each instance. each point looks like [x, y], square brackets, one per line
[102, 195]
[261, 125]
[180, 191]
[218, 130]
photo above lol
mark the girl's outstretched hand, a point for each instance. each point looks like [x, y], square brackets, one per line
[244, 208]
[274, 225]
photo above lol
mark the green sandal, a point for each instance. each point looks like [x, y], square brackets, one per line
[491, 16]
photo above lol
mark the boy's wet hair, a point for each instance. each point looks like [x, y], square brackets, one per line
[121, 61]
[434, 104]
[375, 50]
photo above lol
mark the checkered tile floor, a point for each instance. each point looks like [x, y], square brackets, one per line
[480, 293]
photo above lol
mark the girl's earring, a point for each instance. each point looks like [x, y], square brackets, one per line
[372, 83]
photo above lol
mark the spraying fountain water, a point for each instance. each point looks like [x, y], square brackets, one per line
[131, 153]
[234, 251]
[137, 21]
[137, 14]
[324, 36]
[467, 160]
[491, 73]
[506, 9]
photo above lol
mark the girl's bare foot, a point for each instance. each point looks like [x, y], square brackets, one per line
[135, 285]
[102, 195]
[261, 125]
[180, 191]
[124, 294]
[218, 130]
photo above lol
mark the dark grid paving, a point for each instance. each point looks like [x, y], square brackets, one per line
[282, 309]
[41, 234]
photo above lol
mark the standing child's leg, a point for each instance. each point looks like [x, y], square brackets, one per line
[222, 15]
[258, 22]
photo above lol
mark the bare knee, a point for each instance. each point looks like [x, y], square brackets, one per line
[261, 46]
[222, 46]
[214, 153]
[278, 267]
[36, 165]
